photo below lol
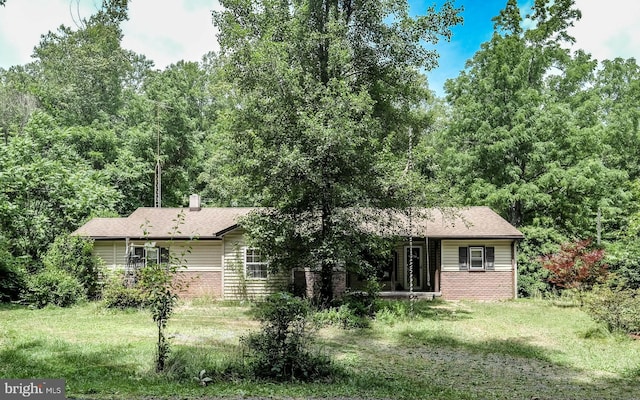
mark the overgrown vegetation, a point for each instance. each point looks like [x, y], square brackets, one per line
[617, 308]
[468, 350]
[73, 255]
[542, 134]
[120, 294]
[281, 350]
[53, 286]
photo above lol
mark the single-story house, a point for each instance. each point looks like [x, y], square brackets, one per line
[470, 254]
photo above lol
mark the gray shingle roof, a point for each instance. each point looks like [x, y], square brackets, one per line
[471, 222]
[159, 223]
[210, 223]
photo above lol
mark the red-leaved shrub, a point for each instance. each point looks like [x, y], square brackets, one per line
[577, 265]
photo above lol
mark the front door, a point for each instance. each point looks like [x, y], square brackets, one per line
[413, 266]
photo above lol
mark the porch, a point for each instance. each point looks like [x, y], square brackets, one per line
[403, 295]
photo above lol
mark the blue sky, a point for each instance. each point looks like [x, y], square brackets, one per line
[169, 31]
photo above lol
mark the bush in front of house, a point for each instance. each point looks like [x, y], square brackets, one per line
[617, 308]
[281, 351]
[354, 310]
[53, 286]
[117, 294]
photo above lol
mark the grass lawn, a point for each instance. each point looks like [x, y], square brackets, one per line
[521, 349]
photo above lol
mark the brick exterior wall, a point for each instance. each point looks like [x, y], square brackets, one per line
[485, 285]
[201, 284]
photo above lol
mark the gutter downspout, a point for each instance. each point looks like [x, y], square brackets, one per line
[126, 252]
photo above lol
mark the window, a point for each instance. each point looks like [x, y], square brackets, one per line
[255, 265]
[476, 258]
[141, 256]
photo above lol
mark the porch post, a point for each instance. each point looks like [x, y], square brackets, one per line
[426, 246]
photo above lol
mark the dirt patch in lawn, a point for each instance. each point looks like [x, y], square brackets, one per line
[491, 375]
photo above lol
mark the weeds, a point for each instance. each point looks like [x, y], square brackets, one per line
[520, 349]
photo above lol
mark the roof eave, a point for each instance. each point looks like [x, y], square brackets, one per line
[223, 232]
[487, 237]
[164, 238]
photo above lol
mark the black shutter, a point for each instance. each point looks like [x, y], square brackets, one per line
[463, 258]
[490, 258]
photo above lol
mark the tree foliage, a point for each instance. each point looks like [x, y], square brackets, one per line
[94, 66]
[576, 266]
[518, 140]
[46, 189]
[321, 88]
[308, 109]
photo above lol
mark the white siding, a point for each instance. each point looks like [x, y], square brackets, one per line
[235, 285]
[205, 255]
[110, 252]
[502, 260]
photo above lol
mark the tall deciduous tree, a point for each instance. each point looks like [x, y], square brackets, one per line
[618, 92]
[322, 87]
[78, 74]
[517, 140]
[46, 189]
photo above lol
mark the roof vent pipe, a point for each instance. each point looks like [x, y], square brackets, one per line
[194, 202]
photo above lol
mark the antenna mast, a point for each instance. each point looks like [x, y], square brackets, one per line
[157, 197]
[410, 182]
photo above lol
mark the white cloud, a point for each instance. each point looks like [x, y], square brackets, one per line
[23, 22]
[167, 32]
[608, 29]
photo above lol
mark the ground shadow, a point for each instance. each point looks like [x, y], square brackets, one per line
[85, 372]
[422, 309]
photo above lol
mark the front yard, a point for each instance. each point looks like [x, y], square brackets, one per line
[464, 350]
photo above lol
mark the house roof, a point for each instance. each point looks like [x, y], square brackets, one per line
[160, 223]
[212, 223]
[472, 222]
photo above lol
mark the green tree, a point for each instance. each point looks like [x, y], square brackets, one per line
[618, 90]
[177, 117]
[322, 89]
[78, 74]
[16, 106]
[46, 189]
[519, 137]
[73, 254]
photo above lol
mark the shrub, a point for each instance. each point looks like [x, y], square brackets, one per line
[12, 276]
[53, 286]
[73, 254]
[116, 294]
[532, 278]
[354, 310]
[280, 351]
[576, 266]
[617, 309]
[342, 316]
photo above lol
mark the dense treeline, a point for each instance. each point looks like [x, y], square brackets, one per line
[546, 137]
